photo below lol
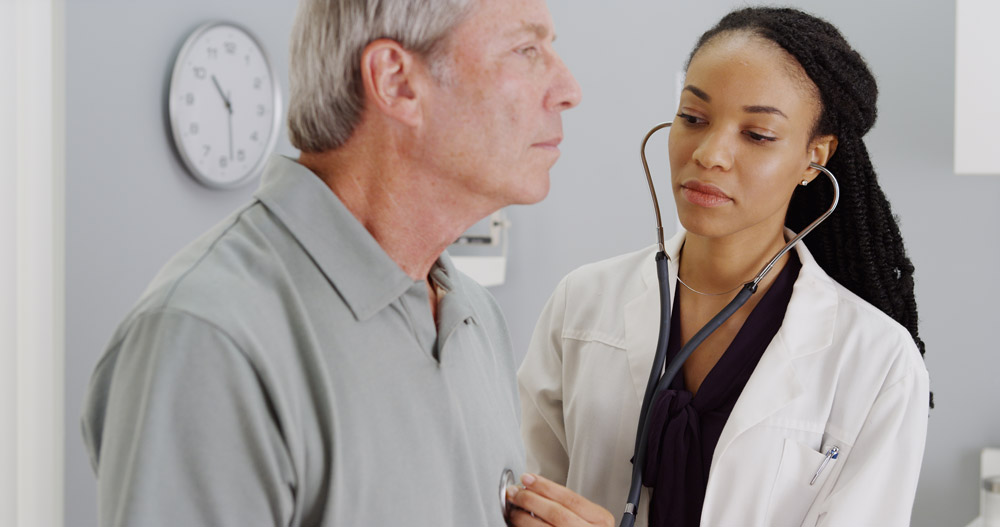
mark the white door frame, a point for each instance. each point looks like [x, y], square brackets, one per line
[32, 256]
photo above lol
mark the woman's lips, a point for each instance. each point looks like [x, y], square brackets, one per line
[704, 195]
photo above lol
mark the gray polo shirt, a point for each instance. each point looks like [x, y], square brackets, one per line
[283, 370]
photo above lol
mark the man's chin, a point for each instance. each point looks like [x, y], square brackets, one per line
[529, 195]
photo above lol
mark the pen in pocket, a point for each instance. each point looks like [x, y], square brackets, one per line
[830, 454]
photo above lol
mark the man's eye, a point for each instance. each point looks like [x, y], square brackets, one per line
[528, 51]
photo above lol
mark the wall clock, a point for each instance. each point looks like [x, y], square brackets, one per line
[224, 105]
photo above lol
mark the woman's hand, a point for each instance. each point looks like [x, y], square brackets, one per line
[544, 503]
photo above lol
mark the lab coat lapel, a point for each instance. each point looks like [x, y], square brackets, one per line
[772, 386]
[642, 316]
[807, 328]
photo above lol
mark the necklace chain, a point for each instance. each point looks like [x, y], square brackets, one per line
[693, 290]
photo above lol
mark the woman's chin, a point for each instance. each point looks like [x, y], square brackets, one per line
[699, 225]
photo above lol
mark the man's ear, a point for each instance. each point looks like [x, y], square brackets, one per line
[389, 74]
[821, 149]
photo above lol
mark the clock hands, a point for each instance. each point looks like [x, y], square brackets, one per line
[229, 108]
[230, 130]
[222, 149]
[223, 95]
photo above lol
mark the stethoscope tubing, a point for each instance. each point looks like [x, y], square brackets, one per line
[642, 434]
[658, 383]
[649, 181]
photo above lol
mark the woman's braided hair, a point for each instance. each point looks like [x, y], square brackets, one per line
[859, 245]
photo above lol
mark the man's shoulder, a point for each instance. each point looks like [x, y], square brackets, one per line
[223, 274]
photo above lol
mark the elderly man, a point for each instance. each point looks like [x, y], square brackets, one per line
[316, 359]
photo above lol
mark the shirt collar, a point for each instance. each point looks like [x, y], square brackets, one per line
[351, 259]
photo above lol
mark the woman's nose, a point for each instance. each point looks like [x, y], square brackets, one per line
[714, 151]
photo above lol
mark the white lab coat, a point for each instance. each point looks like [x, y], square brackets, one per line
[839, 372]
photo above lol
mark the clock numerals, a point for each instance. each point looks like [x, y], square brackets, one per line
[223, 107]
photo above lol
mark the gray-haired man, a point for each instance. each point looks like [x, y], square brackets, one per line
[316, 359]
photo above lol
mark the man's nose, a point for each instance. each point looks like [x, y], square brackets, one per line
[565, 92]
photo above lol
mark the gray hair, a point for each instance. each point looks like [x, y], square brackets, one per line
[328, 38]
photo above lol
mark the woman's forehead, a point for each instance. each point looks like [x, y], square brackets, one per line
[745, 64]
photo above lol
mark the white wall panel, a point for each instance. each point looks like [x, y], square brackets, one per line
[977, 84]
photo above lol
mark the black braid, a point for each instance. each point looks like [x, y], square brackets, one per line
[860, 245]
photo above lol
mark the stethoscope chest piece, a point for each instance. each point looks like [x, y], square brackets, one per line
[506, 480]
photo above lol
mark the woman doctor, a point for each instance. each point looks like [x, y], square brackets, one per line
[809, 406]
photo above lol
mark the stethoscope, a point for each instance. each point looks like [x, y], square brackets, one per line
[658, 382]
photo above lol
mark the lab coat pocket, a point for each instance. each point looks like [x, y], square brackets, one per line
[802, 472]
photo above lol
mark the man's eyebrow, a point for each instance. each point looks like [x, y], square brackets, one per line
[698, 93]
[540, 31]
[764, 109]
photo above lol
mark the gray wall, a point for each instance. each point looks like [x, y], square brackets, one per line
[130, 205]
[129, 202]
[8, 260]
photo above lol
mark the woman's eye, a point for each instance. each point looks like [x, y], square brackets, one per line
[689, 118]
[759, 138]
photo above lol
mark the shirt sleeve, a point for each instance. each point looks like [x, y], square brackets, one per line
[878, 481]
[181, 431]
[540, 386]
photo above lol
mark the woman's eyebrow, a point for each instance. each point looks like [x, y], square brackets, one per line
[764, 109]
[698, 92]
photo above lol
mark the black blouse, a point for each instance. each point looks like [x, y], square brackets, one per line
[684, 429]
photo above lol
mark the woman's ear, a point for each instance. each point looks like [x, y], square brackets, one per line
[821, 149]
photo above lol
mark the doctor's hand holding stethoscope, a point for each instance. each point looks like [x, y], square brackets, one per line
[552, 505]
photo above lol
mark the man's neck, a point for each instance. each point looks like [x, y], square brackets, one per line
[411, 217]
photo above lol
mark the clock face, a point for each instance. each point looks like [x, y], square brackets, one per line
[224, 105]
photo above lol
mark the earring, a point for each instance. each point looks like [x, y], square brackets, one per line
[804, 182]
